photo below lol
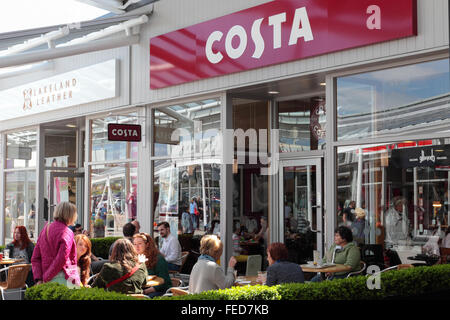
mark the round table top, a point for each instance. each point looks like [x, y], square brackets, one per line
[10, 261]
[153, 281]
[330, 269]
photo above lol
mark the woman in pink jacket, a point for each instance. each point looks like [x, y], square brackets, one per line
[55, 256]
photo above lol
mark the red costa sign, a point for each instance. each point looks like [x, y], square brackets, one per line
[124, 132]
[275, 32]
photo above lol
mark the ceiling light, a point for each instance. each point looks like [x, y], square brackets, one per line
[273, 92]
[71, 125]
[323, 83]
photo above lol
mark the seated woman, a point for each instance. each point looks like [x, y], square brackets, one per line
[280, 270]
[206, 273]
[22, 248]
[156, 264]
[125, 272]
[343, 251]
[84, 248]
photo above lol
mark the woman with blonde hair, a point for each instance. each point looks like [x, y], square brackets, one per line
[125, 272]
[54, 256]
[84, 248]
[206, 273]
[156, 264]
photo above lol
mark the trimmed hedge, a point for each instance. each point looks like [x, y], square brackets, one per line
[394, 284]
[100, 246]
[56, 291]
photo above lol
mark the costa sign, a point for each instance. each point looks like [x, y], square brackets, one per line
[275, 32]
[124, 132]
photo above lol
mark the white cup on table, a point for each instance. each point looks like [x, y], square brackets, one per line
[6, 254]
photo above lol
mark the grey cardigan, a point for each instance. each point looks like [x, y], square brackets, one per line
[29, 250]
[284, 272]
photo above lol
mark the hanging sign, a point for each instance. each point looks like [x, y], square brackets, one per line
[124, 132]
[421, 157]
[275, 32]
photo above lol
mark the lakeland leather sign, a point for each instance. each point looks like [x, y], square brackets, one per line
[124, 132]
[275, 32]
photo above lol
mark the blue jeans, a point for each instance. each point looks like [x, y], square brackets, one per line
[194, 221]
[154, 294]
[173, 267]
[318, 277]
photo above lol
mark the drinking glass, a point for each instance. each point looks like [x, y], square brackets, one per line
[316, 257]
[6, 254]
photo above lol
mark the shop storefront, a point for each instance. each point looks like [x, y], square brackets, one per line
[292, 112]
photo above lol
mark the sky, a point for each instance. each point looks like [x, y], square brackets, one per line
[28, 14]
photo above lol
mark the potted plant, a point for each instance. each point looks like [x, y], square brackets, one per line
[99, 228]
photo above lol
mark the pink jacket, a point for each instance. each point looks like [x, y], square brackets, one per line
[54, 253]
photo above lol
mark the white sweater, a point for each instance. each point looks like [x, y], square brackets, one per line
[208, 275]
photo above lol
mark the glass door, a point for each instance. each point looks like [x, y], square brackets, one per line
[301, 205]
[67, 186]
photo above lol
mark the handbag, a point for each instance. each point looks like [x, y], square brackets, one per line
[124, 277]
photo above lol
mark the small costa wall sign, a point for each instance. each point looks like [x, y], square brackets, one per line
[124, 132]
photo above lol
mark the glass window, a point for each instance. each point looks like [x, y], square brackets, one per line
[198, 125]
[113, 186]
[20, 202]
[301, 124]
[104, 150]
[187, 196]
[20, 185]
[21, 149]
[400, 100]
[113, 200]
[403, 189]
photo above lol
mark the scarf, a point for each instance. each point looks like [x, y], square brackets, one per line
[206, 257]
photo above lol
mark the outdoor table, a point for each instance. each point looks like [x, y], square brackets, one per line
[10, 261]
[324, 269]
[246, 280]
[428, 259]
[153, 281]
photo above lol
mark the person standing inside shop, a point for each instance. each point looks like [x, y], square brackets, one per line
[193, 211]
[396, 223]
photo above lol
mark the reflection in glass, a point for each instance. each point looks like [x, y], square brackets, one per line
[113, 200]
[178, 189]
[399, 100]
[20, 202]
[104, 150]
[196, 123]
[302, 124]
[403, 189]
[300, 212]
[21, 149]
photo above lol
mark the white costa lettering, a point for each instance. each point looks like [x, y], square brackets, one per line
[276, 21]
[213, 57]
[301, 28]
[125, 132]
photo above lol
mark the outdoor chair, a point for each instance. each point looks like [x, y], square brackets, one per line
[360, 271]
[253, 265]
[445, 253]
[184, 256]
[397, 267]
[17, 275]
[91, 279]
[138, 295]
[176, 291]
[176, 282]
